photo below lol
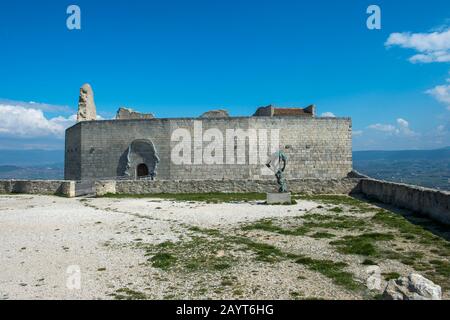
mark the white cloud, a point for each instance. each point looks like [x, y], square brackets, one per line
[382, 127]
[36, 105]
[441, 93]
[401, 129]
[328, 115]
[19, 121]
[357, 133]
[431, 47]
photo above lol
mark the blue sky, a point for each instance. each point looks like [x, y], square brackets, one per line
[181, 58]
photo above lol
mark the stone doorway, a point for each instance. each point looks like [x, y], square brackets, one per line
[142, 171]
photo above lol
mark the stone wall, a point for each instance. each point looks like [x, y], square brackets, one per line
[432, 203]
[317, 148]
[72, 161]
[105, 187]
[304, 186]
[43, 187]
[5, 186]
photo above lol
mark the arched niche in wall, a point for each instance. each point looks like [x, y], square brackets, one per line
[142, 160]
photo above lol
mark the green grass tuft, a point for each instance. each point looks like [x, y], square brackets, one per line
[267, 225]
[332, 270]
[163, 260]
[364, 244]
[128, 294]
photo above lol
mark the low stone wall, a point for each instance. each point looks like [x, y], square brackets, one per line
[104, 187]
[432, 203]
[5, 186]
[44, 187]
[306, 186]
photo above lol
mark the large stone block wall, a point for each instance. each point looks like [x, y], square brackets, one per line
[104, 145]
[432, 203]
[42, 187]
[317, 148]
[303, 186]
[72, 163]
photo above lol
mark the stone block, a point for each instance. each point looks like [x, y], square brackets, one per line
[279, 198]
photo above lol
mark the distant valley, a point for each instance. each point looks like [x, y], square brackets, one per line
[428, 168]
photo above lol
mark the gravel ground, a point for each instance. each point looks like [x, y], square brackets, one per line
[58, 248]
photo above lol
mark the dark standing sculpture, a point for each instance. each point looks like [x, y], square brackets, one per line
[277, 164]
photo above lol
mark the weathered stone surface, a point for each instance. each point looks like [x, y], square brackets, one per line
[86, 105]
[215, 114]
[130, 114]
[279, 198]
[44, 187]
[414, 287]
[67, 188]
[306, 186]
[430, 202]
[105, 187]
[317, 148]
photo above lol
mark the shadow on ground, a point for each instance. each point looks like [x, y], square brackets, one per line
[437, 228]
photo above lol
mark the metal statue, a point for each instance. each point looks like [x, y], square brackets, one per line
[277, 164]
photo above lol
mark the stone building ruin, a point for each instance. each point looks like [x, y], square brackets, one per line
[141, 146]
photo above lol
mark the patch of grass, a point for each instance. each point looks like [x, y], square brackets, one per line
[364, 244]
[264, 252]
[197, 197]
[405, 227]
[197, 254]
[337, 210]
[412, 232]
[332, 270]
[267, 225]
[295, 295]
[292, 203]
[335, 222]
[209, 232]
[128, 294]
[226, 283]
[441, 267]
[337, 200]
[166, 245]
[391, 276]
[323, 235]
[368, 262]
[163, 260]
[238, 292]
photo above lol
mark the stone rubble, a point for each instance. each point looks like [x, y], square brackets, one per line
[413, 287]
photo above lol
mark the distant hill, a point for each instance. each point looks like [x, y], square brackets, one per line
[428, 168]
[437, 154]
[5, 169]
[32, 164]
[50, 172]
[30, 157]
